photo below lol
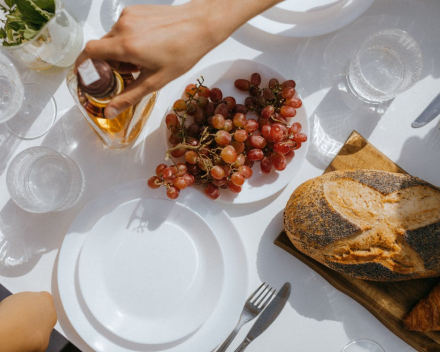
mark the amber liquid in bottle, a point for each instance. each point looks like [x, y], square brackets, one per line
[123, 128]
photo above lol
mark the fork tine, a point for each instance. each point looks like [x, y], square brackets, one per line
[268, 299]
[267, 293]
[259, 295]
[251, 297]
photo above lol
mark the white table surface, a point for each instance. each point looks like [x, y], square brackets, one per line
[317, 317]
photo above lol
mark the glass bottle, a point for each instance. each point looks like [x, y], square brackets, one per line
[93, 88]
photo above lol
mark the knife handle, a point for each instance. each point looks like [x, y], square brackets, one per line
[243, 320]
[243, 345]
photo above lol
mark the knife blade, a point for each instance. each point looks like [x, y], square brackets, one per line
[267, 317]
[429, 114]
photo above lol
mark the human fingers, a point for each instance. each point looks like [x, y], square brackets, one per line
[124, 67]
[102, 49]
[143, 85]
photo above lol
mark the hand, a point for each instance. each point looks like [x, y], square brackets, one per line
[163, 42]
[26, 322]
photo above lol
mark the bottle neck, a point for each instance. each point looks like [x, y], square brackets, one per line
[104, 101]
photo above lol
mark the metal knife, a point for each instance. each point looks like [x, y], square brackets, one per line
[429, 114]
[267, 317]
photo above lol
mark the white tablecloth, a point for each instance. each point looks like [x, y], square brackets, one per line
[317, 317]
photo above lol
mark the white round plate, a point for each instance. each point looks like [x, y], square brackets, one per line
[223, 75]
[328, 19]
[151, 271]
[232, 296]
[306, 6]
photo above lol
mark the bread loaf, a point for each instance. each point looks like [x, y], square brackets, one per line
[425, 316]
[368, 224]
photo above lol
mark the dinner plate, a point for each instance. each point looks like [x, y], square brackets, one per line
[151, 271]
[235, 280]
[320, 21]
[223, 75]
[306, 6]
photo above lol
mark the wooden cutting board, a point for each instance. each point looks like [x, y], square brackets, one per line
[387, 301]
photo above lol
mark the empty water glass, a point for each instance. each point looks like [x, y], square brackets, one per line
[387, 64]
[362, 345]
[41, 180]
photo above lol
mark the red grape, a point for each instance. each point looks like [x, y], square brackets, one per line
[281, 148]
[230, 102]
[251, 125]
[154, 182]
[159, 169]
[294, 102]
[295, 128]
[180, 183]
[246, 171]
[288, 92]
[256, 79]
[204, 91]
[288, 111]
[233, 187]
[223, 137]
[242, 84]
[179, 105]
[266, 165]
[212, 191]
[267, 112]
[191, 157]
[300, 137]
[257, 141]
[218, 121]
[239, 120]
[255, 154]
[279, 162]
[217, 172]
[237, 178]
[173, 192]
[240, 135]
[216, 94]
[228, 154]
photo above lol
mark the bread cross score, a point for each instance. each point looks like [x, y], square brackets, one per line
[383, 221]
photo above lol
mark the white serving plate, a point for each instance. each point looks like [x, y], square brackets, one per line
[232, 296]
[222, 75]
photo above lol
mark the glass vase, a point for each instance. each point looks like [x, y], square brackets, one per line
[58, 43]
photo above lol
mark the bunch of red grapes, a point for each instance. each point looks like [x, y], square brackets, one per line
[218, 144]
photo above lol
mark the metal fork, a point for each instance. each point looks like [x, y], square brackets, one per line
[253, 306]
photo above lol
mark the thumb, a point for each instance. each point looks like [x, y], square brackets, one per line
[131, 95]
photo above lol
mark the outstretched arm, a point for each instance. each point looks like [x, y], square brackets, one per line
[26, 322]
[164, 42]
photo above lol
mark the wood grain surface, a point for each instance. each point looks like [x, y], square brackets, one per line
[387, 301]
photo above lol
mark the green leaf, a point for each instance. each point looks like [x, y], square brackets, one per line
[36, 11]
[10, 3]
[29, 33]
[2, 33]
[16, 26]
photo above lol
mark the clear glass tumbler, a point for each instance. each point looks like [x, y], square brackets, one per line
[41, 180]
[387, 64]
[362, 345]
[58, 43]
[11, 89]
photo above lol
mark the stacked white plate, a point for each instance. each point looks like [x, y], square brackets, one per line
[297, 18]
[138, 272]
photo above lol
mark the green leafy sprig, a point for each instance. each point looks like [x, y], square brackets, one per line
[23, 19]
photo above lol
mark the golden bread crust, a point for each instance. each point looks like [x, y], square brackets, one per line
[369, 224]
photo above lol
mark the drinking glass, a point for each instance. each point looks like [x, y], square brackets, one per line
[28, 109]
[58, 43]
[362, 345]
[11, 89]
[42, 180]
[387, 64]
